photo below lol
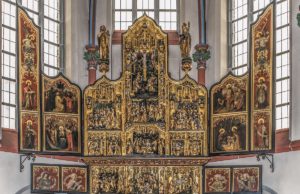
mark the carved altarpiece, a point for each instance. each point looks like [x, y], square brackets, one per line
[145, 114]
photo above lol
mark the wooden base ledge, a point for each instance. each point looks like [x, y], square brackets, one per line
[9, 143]
[143, 161]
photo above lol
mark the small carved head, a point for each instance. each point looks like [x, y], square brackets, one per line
[102, 28]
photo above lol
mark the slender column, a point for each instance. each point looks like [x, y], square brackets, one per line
[202, 37]
[91, 48]
[90, 57]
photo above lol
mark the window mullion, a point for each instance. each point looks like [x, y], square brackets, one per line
[41, 24]
[156, 11]
[61, 36]
[134, 10]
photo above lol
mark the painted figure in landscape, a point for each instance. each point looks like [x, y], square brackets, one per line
[62, 133]
[230, 95]
[60, 97]
[230, 134]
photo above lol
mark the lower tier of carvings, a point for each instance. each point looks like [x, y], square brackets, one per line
[146, 175]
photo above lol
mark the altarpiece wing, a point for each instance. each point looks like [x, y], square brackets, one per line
[145, 114]
[29, 84]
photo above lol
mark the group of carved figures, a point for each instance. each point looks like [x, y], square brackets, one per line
[145, 111]
[186, 117]
[145, 143]
[146, 180]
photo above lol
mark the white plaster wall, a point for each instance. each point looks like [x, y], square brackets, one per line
[76, 38]
[216, 26]
[284, 180]
[295, 70]
[11, 180]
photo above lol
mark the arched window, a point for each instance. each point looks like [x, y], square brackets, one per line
[49, 15]
[165, 12]
[241, 14]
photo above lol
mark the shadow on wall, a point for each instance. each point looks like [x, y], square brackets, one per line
[268, 190]
[26, 190]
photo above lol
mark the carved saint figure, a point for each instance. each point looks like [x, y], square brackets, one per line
[103, 43]
[185, 40]
[30, 136]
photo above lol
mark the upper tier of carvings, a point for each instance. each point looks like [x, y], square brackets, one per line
[145, 112]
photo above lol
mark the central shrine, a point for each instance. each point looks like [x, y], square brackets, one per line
[145, 132]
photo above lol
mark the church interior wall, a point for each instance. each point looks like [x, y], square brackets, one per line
[283, 180]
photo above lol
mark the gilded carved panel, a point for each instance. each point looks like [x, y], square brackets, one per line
[146, 179]
[262, 81]
[103, 118]
[28, 86]
[145, 112]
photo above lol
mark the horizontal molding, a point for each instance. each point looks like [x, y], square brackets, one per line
[9, 143]
[173, 37]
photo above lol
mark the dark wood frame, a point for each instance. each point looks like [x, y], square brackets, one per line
[80, 113]
[231, 179]
[60, 178]
[31, 178]
[273, 120]
[234, 113]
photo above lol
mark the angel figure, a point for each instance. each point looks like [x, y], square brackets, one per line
[103, 42]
